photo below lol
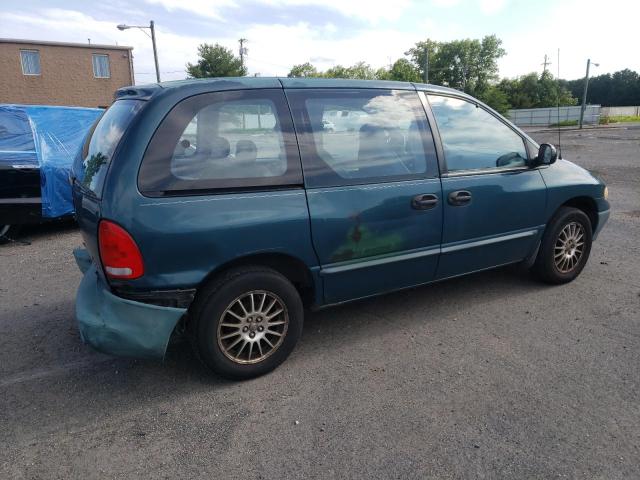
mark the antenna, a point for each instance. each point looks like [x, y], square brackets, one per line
[558, 96]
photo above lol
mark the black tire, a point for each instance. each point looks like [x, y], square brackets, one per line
[545, 266]
[217, 297]
[8, 233]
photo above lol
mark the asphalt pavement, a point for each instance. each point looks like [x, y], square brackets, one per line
[488, 376]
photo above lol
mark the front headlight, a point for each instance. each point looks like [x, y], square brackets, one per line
[606, 193]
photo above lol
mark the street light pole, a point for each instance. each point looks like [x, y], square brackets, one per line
[151, 27]
[155, 50]
[586, 88]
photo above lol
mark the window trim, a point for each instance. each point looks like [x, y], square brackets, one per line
[189, 107]
[444, 169]
[30, 50]
[93, 64]
[303, 131]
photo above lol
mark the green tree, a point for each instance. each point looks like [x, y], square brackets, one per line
[303, 70]
[496, 99]
[404, 71]
[470, 65]
[618, 89]
[533, 91]
[383, 73]
[401, 70]
[216, 61]
[360, 70]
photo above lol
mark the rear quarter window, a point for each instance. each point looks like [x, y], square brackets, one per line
[222, 141]
[91, 167]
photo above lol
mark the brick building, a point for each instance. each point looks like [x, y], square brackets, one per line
[57, 73]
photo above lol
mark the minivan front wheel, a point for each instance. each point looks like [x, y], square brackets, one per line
[565, 246]
[247, 322]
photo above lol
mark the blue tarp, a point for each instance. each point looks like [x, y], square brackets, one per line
[46, 137]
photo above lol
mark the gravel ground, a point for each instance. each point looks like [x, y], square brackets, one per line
[487, 376]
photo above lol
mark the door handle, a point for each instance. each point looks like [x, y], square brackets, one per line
[459, 198]
[424, 201]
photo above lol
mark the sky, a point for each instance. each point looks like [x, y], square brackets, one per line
[282, 33]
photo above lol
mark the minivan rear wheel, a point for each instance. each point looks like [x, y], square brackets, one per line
[247, 322]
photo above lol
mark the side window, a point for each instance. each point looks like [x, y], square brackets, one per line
[360, 136]
[223, 140]
[102, 143]
[473, 139]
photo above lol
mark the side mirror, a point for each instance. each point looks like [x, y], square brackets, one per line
[546, 154]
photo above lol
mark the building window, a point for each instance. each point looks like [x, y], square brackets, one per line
[101, 66]
[30, 62]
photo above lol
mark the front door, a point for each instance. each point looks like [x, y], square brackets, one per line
[374, 196]
[493, 202]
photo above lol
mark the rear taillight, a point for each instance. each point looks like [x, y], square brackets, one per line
[119, 253]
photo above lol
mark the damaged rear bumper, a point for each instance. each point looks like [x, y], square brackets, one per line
[118, 326]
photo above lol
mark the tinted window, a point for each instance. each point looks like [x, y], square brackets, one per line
[15, 131]
[223, 140]
[99, 149]
[359, 136]
[473, 138]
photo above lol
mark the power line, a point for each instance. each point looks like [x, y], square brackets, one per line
[167, 71]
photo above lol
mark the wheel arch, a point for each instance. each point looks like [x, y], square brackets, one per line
[292, 268]
[587, 205]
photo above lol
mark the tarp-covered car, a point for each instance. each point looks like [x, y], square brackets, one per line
[37, 147]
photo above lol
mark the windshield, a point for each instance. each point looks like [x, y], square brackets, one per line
[91, 166]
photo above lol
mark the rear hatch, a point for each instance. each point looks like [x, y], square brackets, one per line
[91, 167]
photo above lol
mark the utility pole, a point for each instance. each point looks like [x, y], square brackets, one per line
[426, 67]
[545, 63]
[586, 88]
[243, 51]
[155, 50]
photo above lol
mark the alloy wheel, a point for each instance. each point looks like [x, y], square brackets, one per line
[253, 327]
[569, 247]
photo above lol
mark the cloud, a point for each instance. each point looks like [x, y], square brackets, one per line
[370, 10]
[581, 29]
[205, 8]
[488, 7]
[442, 31]
[273, 48]
[445, 3]
[282, 46]
[491, 7]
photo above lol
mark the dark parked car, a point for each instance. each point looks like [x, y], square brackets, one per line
[222, 208]
[37, 147]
